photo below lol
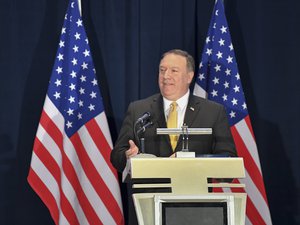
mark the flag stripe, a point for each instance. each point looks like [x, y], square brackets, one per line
[73, 210]
[106, 175]
[248, 122]
[55, 117]
[84, 189]
[253, 213]
[51, 186]
[254, 173]
[255, 206]
[47, 159]
[253, 181]
[102, 122]
[100, 188]
[257, 199]
[46, 195]
[73, 176]
[102, 144]
[245, 132]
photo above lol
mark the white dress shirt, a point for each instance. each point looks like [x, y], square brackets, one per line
[181, 108]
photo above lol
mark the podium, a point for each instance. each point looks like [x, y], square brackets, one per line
[169, 190]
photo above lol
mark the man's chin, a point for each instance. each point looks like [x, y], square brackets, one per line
[168, 95]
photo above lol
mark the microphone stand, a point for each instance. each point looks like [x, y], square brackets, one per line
[139, 133]
[185, 138]
[142, 138]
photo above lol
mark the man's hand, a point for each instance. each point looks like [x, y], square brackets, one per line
[132, 151]
[173, 155]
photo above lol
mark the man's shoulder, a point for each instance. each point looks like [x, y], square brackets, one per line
[148, 100]
[204, 102]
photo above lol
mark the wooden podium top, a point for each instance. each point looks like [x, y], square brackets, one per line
[188, 175]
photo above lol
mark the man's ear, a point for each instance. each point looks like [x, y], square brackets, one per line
[190, 77]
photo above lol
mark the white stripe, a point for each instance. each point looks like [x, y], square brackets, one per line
[102, 122]
[63, 220]
[49, 144]
[46, 177]
[247, 221]
[87, 187]
[199, 91]
[249, 141]
[100, 164]
[70, 194]
[54, 114]
[257, 199]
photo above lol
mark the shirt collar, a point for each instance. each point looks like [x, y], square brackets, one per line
[181, 102]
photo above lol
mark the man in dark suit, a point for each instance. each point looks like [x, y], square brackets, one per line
[176, 72]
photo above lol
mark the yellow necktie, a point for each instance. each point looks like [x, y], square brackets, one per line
[172, 123]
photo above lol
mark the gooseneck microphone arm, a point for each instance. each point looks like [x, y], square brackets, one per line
[140, 126]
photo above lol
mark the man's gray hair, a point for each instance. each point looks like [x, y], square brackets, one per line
[190, 63]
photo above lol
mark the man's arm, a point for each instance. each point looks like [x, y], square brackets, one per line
[224, 143]
[123, 148]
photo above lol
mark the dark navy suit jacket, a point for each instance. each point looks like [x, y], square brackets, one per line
[200, 113]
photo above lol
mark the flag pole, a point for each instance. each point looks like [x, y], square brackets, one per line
[79, 6]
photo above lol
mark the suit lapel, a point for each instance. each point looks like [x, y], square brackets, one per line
[159, 119]
[157, 109]
[191, 111]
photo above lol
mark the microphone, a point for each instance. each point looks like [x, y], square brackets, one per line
[144, 117]
[143, 128]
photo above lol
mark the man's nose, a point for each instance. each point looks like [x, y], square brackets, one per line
[167, 74]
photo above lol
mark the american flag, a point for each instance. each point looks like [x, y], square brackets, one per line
[219, 80]
[70, 166]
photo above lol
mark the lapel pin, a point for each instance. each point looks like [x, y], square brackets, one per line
[191, 108]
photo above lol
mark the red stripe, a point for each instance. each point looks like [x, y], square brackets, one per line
[94, 177]
[68, 210]
[250, 164]
[47, 160]
[251, 211]
[52, 129]
[43, 192]
[101, 143]
[217, 190]
[248, 122]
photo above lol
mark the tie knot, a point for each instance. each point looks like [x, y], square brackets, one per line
[173, 106]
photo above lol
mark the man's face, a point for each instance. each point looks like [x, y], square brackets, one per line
[174, 78]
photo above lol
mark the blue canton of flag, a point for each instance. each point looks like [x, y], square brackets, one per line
[73, 85]
[218, 71]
